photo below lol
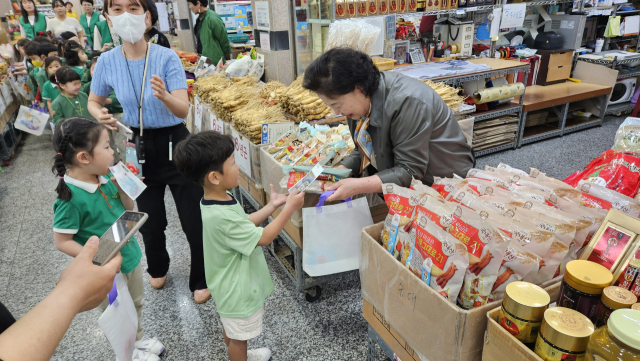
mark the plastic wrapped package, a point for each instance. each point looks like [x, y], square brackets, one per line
[444, 186]
[502, 181]
[355, 34]
[424, 189]
[436, 211]
[401, 202]
[510, 169]
[617, 200]
[628, 136]
[615, 170]
[517, 264]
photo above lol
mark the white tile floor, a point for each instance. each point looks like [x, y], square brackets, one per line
[331, 328]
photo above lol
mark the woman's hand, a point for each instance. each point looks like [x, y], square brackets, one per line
[349, 187]
[109, 101]
[107, 119]
[106, 47]
[159, 87]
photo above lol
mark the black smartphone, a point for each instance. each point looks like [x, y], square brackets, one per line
[118, 235]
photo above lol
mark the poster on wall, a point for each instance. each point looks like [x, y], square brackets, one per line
[262, 15]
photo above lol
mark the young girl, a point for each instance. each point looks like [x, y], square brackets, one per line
[89, 202]
[49, 91]
[75, 56]
[71, 102]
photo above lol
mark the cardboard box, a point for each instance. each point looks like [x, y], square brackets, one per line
[255, 189]
[398, 345]
[435, 328]
[501, 345]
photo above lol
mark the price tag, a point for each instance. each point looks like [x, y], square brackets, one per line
[197, 118]
[241, 154]
[475, 8]
[460, 12]
[216, 124]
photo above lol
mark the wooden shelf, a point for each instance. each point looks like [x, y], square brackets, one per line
[538, 96]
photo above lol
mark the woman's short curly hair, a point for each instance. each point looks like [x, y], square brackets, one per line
[338, 71]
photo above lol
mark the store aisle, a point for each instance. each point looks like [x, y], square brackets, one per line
[331, 328]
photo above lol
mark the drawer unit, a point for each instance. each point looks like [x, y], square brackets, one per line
[555, 66]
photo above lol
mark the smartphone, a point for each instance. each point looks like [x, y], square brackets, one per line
[118, 235]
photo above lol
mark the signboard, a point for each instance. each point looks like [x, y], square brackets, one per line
[197, 117]
[513, 15]
[241, 154]
[262, 15]
[215, 123]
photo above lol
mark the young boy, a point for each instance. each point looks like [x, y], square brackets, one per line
[45, 50]
[234, 263]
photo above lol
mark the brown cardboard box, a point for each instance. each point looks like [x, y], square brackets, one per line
[255, 189]
[500, 345]
[435, 328]
[390, 336]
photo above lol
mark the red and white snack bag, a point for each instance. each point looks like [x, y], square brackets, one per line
[401, 202]
[445, 185]
[424, 189]
[533, 193]
[514, 178]
[480, 187]
[436, 211]
[486, 246]
[510, 169]
[437, 257]
[617, 200]
[501, 181]
[516, 264]
[564, 231]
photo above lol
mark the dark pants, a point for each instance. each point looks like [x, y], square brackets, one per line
[159, 173]
[6, 319]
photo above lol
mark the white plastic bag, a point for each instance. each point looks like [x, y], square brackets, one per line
[247, 66]
[119, 322]
[332, 235]
[31, 120]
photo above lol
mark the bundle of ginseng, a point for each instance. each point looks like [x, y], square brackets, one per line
[303, 104]
[448, 93]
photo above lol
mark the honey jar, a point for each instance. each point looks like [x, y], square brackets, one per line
[522, 311]
[613, 298]
[582, 287]
[618, 340]
[564, 335]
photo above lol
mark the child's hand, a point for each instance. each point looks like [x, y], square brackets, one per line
[108, 101]
[277, 199]
[295, 200]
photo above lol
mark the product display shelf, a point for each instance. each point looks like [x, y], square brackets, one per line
[619, 109]
[289, 255]
[630, 74]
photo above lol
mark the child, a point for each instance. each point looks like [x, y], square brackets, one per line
[89, 202]
[49, 91]
[235, 267]
[45, 50]
[31, 51]
[71, 102]
[75, 56]
[20, 67]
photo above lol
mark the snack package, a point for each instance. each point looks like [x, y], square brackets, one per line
[516, 265]
[401, 202]
[564, 231]
[444, 186]
[318, 186]
[362, 7]
[628, 136]
[514, 178]
[533, 193]
[615, 170]
[486, 246]
[283, 142]
[436, 211]
[617, 200]
[438, 258]
[424, 189]
[510, 169]
[501, 181]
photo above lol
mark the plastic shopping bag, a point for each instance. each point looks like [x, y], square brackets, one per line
[32, 120]
[332, 235]
[119, 322]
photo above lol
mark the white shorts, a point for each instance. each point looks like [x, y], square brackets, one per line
[243, 329]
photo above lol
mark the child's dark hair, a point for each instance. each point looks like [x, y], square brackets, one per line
[23, 42]
[71, 53]
[41, 39]
[202, 153]
[47, 62]
[64, 75]
[46, 48]
[31, 49]
[72, 136]
[67, 35]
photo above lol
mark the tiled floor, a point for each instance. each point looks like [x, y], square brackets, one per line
[331, 328]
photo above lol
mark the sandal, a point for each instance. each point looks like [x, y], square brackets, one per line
[150, 345]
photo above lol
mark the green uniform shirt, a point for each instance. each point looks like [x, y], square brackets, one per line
[234, 266]
[64, 107]
[114, 107]
[49, 92]
[213, 36]
[88, 214]
[88, 28]
[40, 25]
[41, 77]
[79, 70]
[32, 77]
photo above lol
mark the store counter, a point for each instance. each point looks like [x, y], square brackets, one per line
[560, 100]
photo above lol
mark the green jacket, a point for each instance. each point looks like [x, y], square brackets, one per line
[213, 36]
[114, 107]
[31, 31]
[88, 29]
[103, 28]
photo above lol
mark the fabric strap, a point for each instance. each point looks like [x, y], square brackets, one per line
[144, 77]
[363, 140]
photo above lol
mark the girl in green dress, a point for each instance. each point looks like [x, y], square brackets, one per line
[75, 56]
[71, 102]
[49, 90]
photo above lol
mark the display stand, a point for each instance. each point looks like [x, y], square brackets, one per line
[289, 255]
[558, 97]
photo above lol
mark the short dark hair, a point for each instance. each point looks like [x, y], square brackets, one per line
[202, 153]
[54, 2]
[46, 48]
[68, 3]
[25, 14]
[65, 75]
[338, 71]
[71, 53]
[67, 35]
[202, 2]
[143, 3]
[31, 48]
[153, 11]
[86, 1]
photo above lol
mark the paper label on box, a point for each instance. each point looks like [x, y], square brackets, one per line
[216, 124]
[241, 154]
[271, 133]
[197, 117]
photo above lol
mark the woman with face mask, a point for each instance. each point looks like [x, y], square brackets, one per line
[31, 22]
[151, 86]
[62, 22]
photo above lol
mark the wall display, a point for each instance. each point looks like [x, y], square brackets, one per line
[372, 7]
[341, 10]
[362, 7]
[351, 8]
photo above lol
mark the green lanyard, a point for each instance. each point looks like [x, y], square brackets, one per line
[78, 109]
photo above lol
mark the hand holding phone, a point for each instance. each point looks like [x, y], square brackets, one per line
[118, 235]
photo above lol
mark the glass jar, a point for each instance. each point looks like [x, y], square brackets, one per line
[618, 340]
[636, 307]
[564, 335]
[522, 311]
[582, 287]
[613, 298]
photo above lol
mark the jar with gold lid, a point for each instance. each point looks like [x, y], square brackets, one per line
[613, 298]
[522, 311]
[582, 287]
[618, 340]
[636, 306]
[564, 335]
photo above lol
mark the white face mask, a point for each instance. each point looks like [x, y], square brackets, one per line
[129, 27]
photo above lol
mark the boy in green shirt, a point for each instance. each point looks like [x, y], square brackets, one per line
[235, 268]
[71, 102]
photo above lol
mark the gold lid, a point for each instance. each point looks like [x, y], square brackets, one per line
[617, 297]
[587, 276]
[526, 301]
[566, 329]
[636, 307]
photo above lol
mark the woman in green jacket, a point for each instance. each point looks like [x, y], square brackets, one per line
[89, 19]
[211, 34]
[31, 22]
